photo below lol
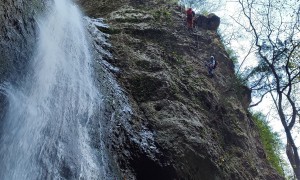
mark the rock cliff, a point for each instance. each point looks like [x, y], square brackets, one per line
[17, 39]
[184, 124]
[175, 122]
[18, 36]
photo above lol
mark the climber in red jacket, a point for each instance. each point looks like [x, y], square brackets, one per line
[190, 14]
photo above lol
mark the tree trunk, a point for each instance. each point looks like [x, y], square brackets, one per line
[294, 162]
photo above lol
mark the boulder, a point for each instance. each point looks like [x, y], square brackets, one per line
[210, 22]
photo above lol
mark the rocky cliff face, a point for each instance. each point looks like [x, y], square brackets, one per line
[184, 124]
[177, 123]
[18, 35]
[17, 39]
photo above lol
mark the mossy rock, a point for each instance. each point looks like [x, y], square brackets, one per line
[130, 15]
[148, 88]
[110, 30]
[150, 66]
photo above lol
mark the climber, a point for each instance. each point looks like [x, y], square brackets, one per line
[190, 14]
[211, 65]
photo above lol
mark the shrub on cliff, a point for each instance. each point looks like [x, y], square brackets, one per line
[271, 142]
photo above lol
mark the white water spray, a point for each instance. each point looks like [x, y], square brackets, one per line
[47, 129]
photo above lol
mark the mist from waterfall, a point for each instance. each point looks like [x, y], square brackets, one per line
[50, 130]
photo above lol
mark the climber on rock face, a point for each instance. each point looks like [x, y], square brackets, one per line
[211, 65]
[190, 14]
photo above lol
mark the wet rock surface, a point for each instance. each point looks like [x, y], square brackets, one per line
[168, 119]
[18, 35]
[17, 39]
[197, 127]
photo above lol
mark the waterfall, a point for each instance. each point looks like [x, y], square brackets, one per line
[50, 130]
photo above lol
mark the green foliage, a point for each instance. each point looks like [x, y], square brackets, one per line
[232, 55]
[204, 12]
[271, 142]
[240, 81]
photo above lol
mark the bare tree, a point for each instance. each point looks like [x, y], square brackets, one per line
[275, 28]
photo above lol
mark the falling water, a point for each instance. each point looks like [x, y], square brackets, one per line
[50, 124]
